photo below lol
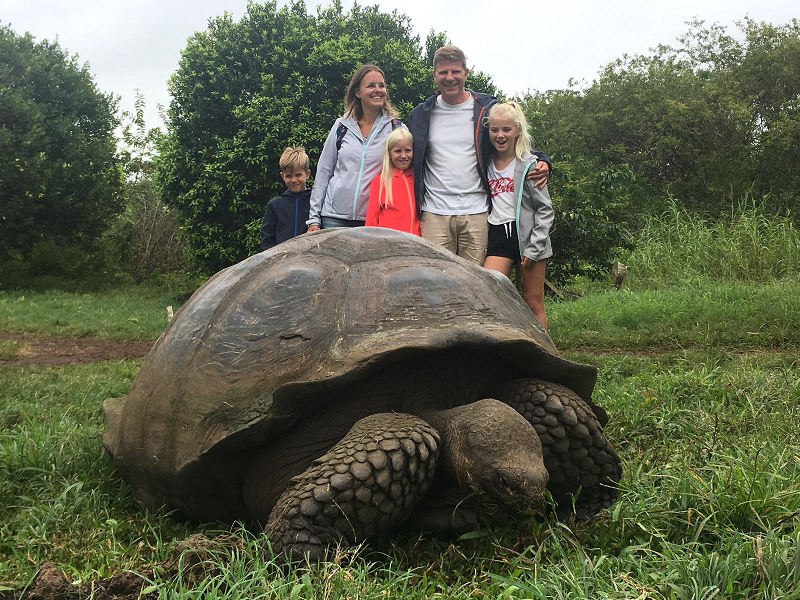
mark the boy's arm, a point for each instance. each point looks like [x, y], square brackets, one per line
[269, 227]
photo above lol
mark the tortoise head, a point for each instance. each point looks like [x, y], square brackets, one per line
[489, 448]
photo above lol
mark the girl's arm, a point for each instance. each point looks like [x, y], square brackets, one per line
[537, 246]
[373, 206]
[325, 168]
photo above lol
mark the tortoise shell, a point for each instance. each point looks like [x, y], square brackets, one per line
[268, 341]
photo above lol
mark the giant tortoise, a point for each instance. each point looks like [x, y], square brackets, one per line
[343, 381]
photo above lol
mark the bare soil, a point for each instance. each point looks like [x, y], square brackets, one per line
[37, 349]
[192, 556]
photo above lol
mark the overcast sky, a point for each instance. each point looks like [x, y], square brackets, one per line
[524, 45]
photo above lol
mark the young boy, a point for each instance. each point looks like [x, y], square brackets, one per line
[287, 214]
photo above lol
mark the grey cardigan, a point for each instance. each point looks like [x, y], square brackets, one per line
[341, 185]
[534, 213]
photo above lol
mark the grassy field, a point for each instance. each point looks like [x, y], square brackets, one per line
[702, 382]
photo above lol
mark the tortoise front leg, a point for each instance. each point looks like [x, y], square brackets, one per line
[577, 454]
[366, 484]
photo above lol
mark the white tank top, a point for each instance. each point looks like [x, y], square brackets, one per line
[504, 201]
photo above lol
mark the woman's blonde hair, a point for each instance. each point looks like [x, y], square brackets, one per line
[387, 170]
[513, 112]
[352, 103]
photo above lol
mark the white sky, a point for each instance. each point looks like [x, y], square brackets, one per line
[524, 45]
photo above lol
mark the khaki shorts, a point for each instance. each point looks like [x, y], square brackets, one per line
[464, 235]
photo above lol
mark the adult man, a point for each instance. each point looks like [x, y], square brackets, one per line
[451, 150]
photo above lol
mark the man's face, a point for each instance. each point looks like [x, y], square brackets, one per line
[295, 179]
[450, 75]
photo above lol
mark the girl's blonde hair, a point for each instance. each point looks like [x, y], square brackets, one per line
[352, 103]
[387, 170]
[513, 112]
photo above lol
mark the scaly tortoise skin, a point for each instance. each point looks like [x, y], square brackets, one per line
[349, 380]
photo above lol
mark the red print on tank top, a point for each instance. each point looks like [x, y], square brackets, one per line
[500, 185]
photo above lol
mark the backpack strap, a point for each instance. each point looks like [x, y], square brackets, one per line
[340, 131]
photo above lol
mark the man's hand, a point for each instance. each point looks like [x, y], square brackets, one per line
[312, 228]
[539, 174]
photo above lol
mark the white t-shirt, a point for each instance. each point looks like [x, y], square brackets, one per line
[452, 183]
[504, 201]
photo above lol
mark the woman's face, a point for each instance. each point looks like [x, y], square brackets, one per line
[372, 91]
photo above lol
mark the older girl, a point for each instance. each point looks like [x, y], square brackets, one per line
[522, 214]
[351, 156]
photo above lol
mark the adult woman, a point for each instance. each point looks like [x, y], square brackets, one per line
[353, 153]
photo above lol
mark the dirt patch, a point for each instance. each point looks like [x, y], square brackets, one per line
[194, 556]
[33, 349]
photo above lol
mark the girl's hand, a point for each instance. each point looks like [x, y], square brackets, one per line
[312, 228]
[539, 174]
[526, 262]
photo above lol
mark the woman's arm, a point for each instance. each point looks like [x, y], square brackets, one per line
[373, 206]
[325, 169]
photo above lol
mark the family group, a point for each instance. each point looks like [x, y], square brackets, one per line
[462, 175]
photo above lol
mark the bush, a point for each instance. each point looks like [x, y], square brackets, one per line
[747, 245]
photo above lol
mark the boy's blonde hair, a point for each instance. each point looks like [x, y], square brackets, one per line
[387, 170]
[294, 158]
[449, 53]
[513, 112]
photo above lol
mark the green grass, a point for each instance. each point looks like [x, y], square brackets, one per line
[127, 314]
[746, 245]
[700, 313]
[9, 349]
[700, 375]
[710, 500]
[60, 497]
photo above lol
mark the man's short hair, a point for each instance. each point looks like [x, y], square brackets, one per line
[449, 53]
[294, 158]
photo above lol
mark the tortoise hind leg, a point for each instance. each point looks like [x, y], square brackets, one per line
[366, 484]
[576, 452]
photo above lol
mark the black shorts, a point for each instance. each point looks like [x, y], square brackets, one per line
[503, 241]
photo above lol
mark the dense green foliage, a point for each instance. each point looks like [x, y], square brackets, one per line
[245, 90]
[61, 180]
[708, 122]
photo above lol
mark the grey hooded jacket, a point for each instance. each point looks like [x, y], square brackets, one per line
[341, 185]
[534, 213]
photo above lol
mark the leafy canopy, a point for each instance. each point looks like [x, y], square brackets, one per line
[60, 176]
[709, 122]
[245, 90]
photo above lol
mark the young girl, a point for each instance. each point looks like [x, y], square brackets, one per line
[522, 214]
[391, 192]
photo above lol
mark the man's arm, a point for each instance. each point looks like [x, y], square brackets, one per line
[541, 172]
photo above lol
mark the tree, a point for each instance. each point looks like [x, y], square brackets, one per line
[245, 90]
[709, 122]
[59, 175]
[144, 238]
